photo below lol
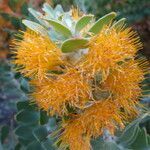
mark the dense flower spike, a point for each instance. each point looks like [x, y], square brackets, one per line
[110, 47]
[124, 84]
[100, 116]
[70, 88]
[95, 85]
[36, 54]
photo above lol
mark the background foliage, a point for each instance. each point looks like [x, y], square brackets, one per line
[34, 131]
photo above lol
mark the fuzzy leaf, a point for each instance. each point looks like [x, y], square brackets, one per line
[24, 85]
[105, 20]
[48, 144]
[25, 132]
[82, 22]
[35, 145]
[73, 44]
[26, 105]
[48, 10]
[141, 142]
[40, 133]
[35, 27]
[110, 146]
[58, 11]
[119, 24]
[28, 117]
[60, 28]
[38, 16]
[130, 133]
[43, 117]
[4, 133]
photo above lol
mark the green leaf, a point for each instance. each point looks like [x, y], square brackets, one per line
[48, 144]
[105, 20]
[4, 133]
[58, 11]
[43, 117]
[130, 133]
[52, 123]
[26, 105]
[28, 117]
[25, 132]
[35, 145]
[97, 143]
[40, 133]
[35, 27]
[48, 10]
[23, 141]
[60, 28]
[24, 85]
[82, 22]
[110, 146]
[38, 16]
[74, 44]
[148, 138]
[1, 147]
[18, 146]
[119, 24]
[141, 142]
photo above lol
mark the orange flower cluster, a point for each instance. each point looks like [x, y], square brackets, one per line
[101, 115]
[71, 88]
[36, 54]
[101, 91]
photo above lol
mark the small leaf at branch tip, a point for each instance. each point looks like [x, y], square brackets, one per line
[83, 21]
[35, 27]
[105, 20]
[119, 24]
[74, 44]
[60, 28]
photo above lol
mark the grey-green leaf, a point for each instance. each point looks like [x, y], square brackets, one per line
[105, 20]
[60, 28]
[110, 146]
[40, 133]
[119, 24]
[130, 133]
[141, 142]
[74, 44]
[25, 132]
[4, 133]
[82, 22]
[38, 16]
[35, 27]
[28, 117]
[35, 145]
[26, 105]
[48, 10]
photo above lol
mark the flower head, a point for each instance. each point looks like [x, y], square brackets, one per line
[110, 47]
[69, 88]
[91, 123]
[124, 84]
[36, 54]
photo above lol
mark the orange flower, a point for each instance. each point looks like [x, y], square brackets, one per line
[110, 47]
[54, 94]
[91, 123]
[36, 54]
[124, 84]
